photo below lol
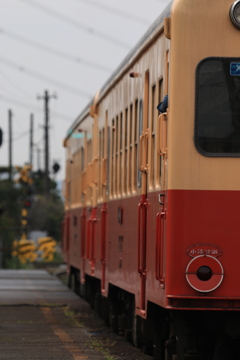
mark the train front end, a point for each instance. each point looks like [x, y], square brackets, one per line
[203, 217]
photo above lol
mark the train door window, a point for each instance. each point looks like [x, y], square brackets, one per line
[130, 150]
[217, 123]
[140, 130]
[125, 151]
[121, 179]
[152, 140]
[135, 145]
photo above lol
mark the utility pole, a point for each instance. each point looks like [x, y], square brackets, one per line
[38, 159]
[46, 99]
[31, 141]
[10, 143]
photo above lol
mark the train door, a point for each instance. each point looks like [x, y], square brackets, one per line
[162, 155]
[161, 215]
[143, 205]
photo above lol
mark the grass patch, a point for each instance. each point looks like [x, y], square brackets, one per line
[102, 348]
[72, 316]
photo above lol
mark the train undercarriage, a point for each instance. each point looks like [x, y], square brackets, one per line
[165, 334]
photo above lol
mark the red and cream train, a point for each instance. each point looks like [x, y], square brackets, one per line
[152, 218]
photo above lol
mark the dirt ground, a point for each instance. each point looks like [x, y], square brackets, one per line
[101, 338]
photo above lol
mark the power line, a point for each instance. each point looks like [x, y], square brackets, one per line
[115, 11]
[77, 24]
[25, 133]
[16, 87]
[32, 107]
[43, 77]
[53, 51]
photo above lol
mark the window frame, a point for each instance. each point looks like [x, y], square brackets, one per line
[196, 119]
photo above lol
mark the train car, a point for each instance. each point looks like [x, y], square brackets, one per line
[151, 229]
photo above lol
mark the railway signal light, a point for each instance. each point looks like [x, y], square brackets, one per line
[27, 204]
[56, 168]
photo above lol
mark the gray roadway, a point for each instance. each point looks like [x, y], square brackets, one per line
[36, 321]
[33, 287]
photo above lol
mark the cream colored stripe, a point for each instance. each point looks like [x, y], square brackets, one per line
[66, 340]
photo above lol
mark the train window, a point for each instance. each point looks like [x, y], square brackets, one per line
[159, 158]
[100, 143]
[121, 154]
[152, 145]
[77, 177]
[167, 72]
[82, 158]
[116, 187]
[89, 173]
[135, 146]
[108, 155]
[217, 115]
[81, 173]
[125, 152]
[112, 167]
[160, 90]
[140, 130]
[130, 150]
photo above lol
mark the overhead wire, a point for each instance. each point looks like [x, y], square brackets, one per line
[16, 87]
[77, 24]
[35, 108]
[19, 137]
[54, 51]
[43, 77]
[121, 13]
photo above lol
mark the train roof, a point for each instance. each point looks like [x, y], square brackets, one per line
[151, 30]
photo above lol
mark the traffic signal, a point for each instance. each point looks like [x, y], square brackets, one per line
[27, 204]
[56, 168]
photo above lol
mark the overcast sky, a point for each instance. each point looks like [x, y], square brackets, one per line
[67, 47]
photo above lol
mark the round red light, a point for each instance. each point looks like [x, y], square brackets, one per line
[204, 273]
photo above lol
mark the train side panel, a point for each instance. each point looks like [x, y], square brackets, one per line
[203, 192]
